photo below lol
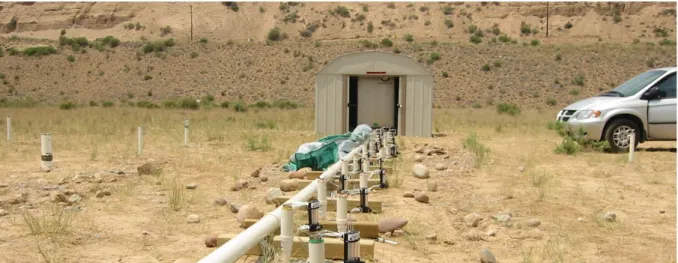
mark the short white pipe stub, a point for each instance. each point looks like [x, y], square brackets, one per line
[140, 140]
[316, 251]
[46, 156]
[632, 145]
[9, 128]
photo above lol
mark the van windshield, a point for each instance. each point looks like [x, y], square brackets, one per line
[636, 84]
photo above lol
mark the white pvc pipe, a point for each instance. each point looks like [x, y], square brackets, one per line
[185, 132]
[356, 165]
[342, 203]
[287, 233]
[363, 180]
[344, 167]
[322, 197]
[140, 140]
[632, 145]
[239, 245]
[46, 151]
[316, 252]
[9, 127]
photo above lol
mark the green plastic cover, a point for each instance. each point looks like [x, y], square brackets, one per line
[318, 160]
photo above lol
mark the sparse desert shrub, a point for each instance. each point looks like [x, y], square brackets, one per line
[203, 40]
[370, 27]
[476, 39]
[574, 142]
[261, 104]
[267, 124]
[391, 5]
[435, 56]
[427, 23]
[504, 39]
[231, 5]
[109, 41]
[574, 92]
[107, 104]
[189, 104]
[551, 102]
[409, 37]
[52, 223]
[365, 8]
[386, 42]
[70, 58]
[448, 10]
[360, 18]
[147, 77]
[170, 104]
[485, 67]
[445, 75]
[617, 18]
[258, 143]
[194, 54]
[165, 31]
[475, 105]
[578, 80]
[472, 28]
[158, 46]
[497, 64]
[240, 107]
[225, 105]
[67, 105]
[93, 103]
[274, 34]
[449, 23]
[525, 29]
[508, 108]
[568, 25]
[495, 30]
[660, 32]
[291, 17]
[479, 150]
[341, 11]
[558, 57]
[11, 26]
[318, 43]
[39, 51]
[146, 104]
[667, 42]
[534, 42]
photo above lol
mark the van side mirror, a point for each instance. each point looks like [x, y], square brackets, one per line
[650, 94]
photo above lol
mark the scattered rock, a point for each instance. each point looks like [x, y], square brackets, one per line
[248, 212]
[441, 167]
[3, 212]
[19, 199]
[62, 181]
[662, 211]
[503, 218]
[580, 219]
[221, 201]
[297, 175]
[288, 185]
[398, 233]
[50, 187]
[432, 237]
[486, 256]
[472, 220]
[391, 224]
[183, 260]
[118, 172]
[57, 197]
[3, 186]
[432, 186]
[234, 207]
[256, 173]
[193, 219]
[113, 180]
[446, 157]
[418, 158]
[533, 222]
[492, 232]
[96, 180]
[419, 149]
[107, 192]
[148, 168]
[271, 194]
[191, 186]
[74, 198]
[421, 197]
[239, 184]
[473, 235]
[610, 217]
[263, 179]
[449, 242]
[211, 240]
[521, 168]
[100, 194]
[420, 171]
[387, 234]
[408, 194]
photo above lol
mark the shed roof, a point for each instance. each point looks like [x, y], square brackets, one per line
[374, 61]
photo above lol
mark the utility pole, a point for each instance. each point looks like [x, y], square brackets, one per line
[547, 19]
[191, 6]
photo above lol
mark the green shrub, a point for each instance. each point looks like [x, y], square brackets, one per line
[617, 18]
[508, 108]
[578, 80]
[93, 103]
[448, 10]
[370, 27]
[291, 17]
[504, 39]
[11, 26]
[70, 58]
[558, 57]
[435, 56]
[391, 5]
[147, 77]
[551, 102]
[274, 34]
[449, 23]
[194, 54]
[258, 143]
[67, 105]
[534, 42]
[107, 104]
[386, 42]
[268, 124]
[39, 51]
[225, 105]
[667, 42]
[147, 105]
[525, 29]
[476, 39]
[240, 107]
[409, 37]
[170, 104]
[475, 105]
[285, 104]
[427, 23]
[660, 32]
[472, 28]
[189, 104]
[568, 25]
[479, 150]
[203, 40]
[341, 11]
[158, 46]
[485, 67]
[261, 104]
[445, 75]
[497, 64]
[165, 31]
[574, 92]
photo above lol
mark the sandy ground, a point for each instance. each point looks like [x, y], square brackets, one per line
[522, 175]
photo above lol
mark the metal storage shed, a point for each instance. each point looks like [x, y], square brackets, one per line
[377, 88]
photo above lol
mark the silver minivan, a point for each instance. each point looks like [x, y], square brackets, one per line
[645, 104]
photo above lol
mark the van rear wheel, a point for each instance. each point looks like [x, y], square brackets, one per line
[618, 134]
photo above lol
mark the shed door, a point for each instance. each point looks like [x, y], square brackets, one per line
[376, 99]
[352, 103]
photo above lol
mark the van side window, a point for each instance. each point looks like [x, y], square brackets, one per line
[667, 87]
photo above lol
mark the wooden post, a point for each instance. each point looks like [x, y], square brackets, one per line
[334, 247]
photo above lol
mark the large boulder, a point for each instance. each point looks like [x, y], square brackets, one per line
[289, 185]
[391, 224]
[420, 171]
[248, 212]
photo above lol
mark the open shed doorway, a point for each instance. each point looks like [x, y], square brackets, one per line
[373, 100]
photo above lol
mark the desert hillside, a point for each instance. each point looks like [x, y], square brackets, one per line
[481, 52]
